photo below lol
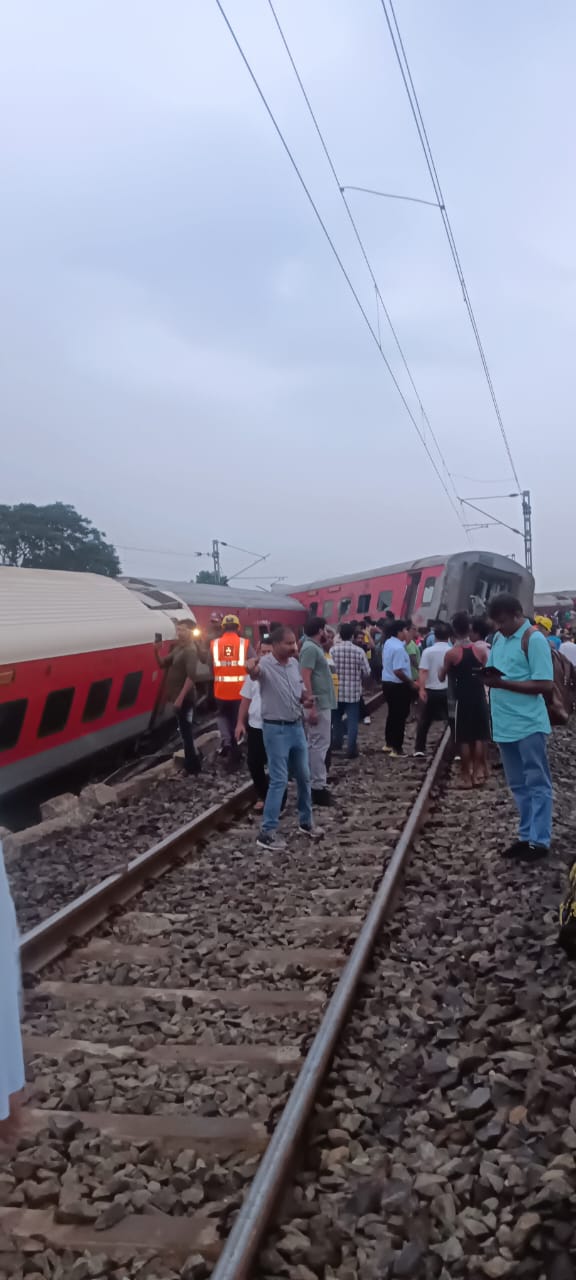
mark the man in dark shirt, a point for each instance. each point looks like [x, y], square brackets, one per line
[180, 689]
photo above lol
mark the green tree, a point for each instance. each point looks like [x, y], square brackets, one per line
[208, 575]
[54, 537]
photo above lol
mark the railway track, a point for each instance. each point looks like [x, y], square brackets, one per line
[180, 1018]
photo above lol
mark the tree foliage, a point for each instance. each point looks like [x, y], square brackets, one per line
[208, 575]
[54, 537]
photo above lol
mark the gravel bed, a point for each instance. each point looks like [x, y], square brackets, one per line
[146, 1021]
[45, 876]
[444, 1144]
[205, 915]
[132, 1089]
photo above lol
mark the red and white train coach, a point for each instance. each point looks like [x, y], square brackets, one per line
[258, 611]
[78, 672]
[435, 587]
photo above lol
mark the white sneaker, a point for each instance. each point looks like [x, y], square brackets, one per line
[367, 720]
[313, 833]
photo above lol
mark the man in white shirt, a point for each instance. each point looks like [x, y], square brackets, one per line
[568, 648]
[432, 692]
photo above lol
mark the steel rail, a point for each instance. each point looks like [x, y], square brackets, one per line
[52, 937]
[254, 1217]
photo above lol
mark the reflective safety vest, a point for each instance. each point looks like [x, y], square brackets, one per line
[229, 653]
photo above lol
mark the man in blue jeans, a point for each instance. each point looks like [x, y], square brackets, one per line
[352, 668]
[283, 696]
[519, 674]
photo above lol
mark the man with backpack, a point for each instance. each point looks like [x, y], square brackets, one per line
[520, 676]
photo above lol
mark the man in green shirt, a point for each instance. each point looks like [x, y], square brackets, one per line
[319, 685]
[412, 649]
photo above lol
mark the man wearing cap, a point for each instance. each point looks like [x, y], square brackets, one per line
[547, 628]
[229, 654]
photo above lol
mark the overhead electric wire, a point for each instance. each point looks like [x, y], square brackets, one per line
[335, 252]
[402, 59]
[341, 190]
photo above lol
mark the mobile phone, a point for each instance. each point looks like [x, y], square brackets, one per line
[488, 671]
[158, 638]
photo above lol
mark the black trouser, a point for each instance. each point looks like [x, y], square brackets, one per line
[399, 699]
[256, 760]
[435, 708]
[184, 716]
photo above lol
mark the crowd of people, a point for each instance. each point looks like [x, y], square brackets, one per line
[293, 703]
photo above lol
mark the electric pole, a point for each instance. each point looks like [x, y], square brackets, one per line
[216, 560]
[527, 514]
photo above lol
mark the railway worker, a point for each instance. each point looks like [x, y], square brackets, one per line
[432, 688]
[229, 655]
[180, 688]
[397, 686]
[518, 676]
[352, 669]
[11, 1059]
[283, 697]
[319, 686]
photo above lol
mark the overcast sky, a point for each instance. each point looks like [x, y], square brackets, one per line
[180, 356]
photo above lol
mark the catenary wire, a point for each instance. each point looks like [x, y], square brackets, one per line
[341, 190]
[402, 59]
[336, 254]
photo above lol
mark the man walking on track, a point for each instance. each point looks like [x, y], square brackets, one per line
[283, 696]
[433, 692]
[180, 689]
[397, 685]
[519, 673]
[352, 667]
[229, 655]
[319, 686]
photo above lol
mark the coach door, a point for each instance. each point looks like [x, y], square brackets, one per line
[410, 594]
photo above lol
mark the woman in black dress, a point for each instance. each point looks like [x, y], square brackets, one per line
[472, 727]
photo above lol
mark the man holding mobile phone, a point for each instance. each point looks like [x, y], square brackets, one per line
[518, 676]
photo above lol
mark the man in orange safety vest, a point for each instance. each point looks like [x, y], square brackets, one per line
[229, 653]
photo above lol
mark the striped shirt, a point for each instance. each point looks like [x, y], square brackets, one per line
[351, 665]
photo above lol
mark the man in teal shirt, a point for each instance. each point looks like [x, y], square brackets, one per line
[518, 676]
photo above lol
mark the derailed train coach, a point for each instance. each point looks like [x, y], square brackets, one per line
[435, 587]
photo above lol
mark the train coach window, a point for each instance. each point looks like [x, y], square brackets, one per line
[11, 721]
[327, 610]
[130, 690]
[384, 601]
[428, 591]
[56, 712]
[344, 606]
[364, 603]
[96, 701]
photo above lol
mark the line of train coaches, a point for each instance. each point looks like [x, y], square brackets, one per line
[78, 672]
